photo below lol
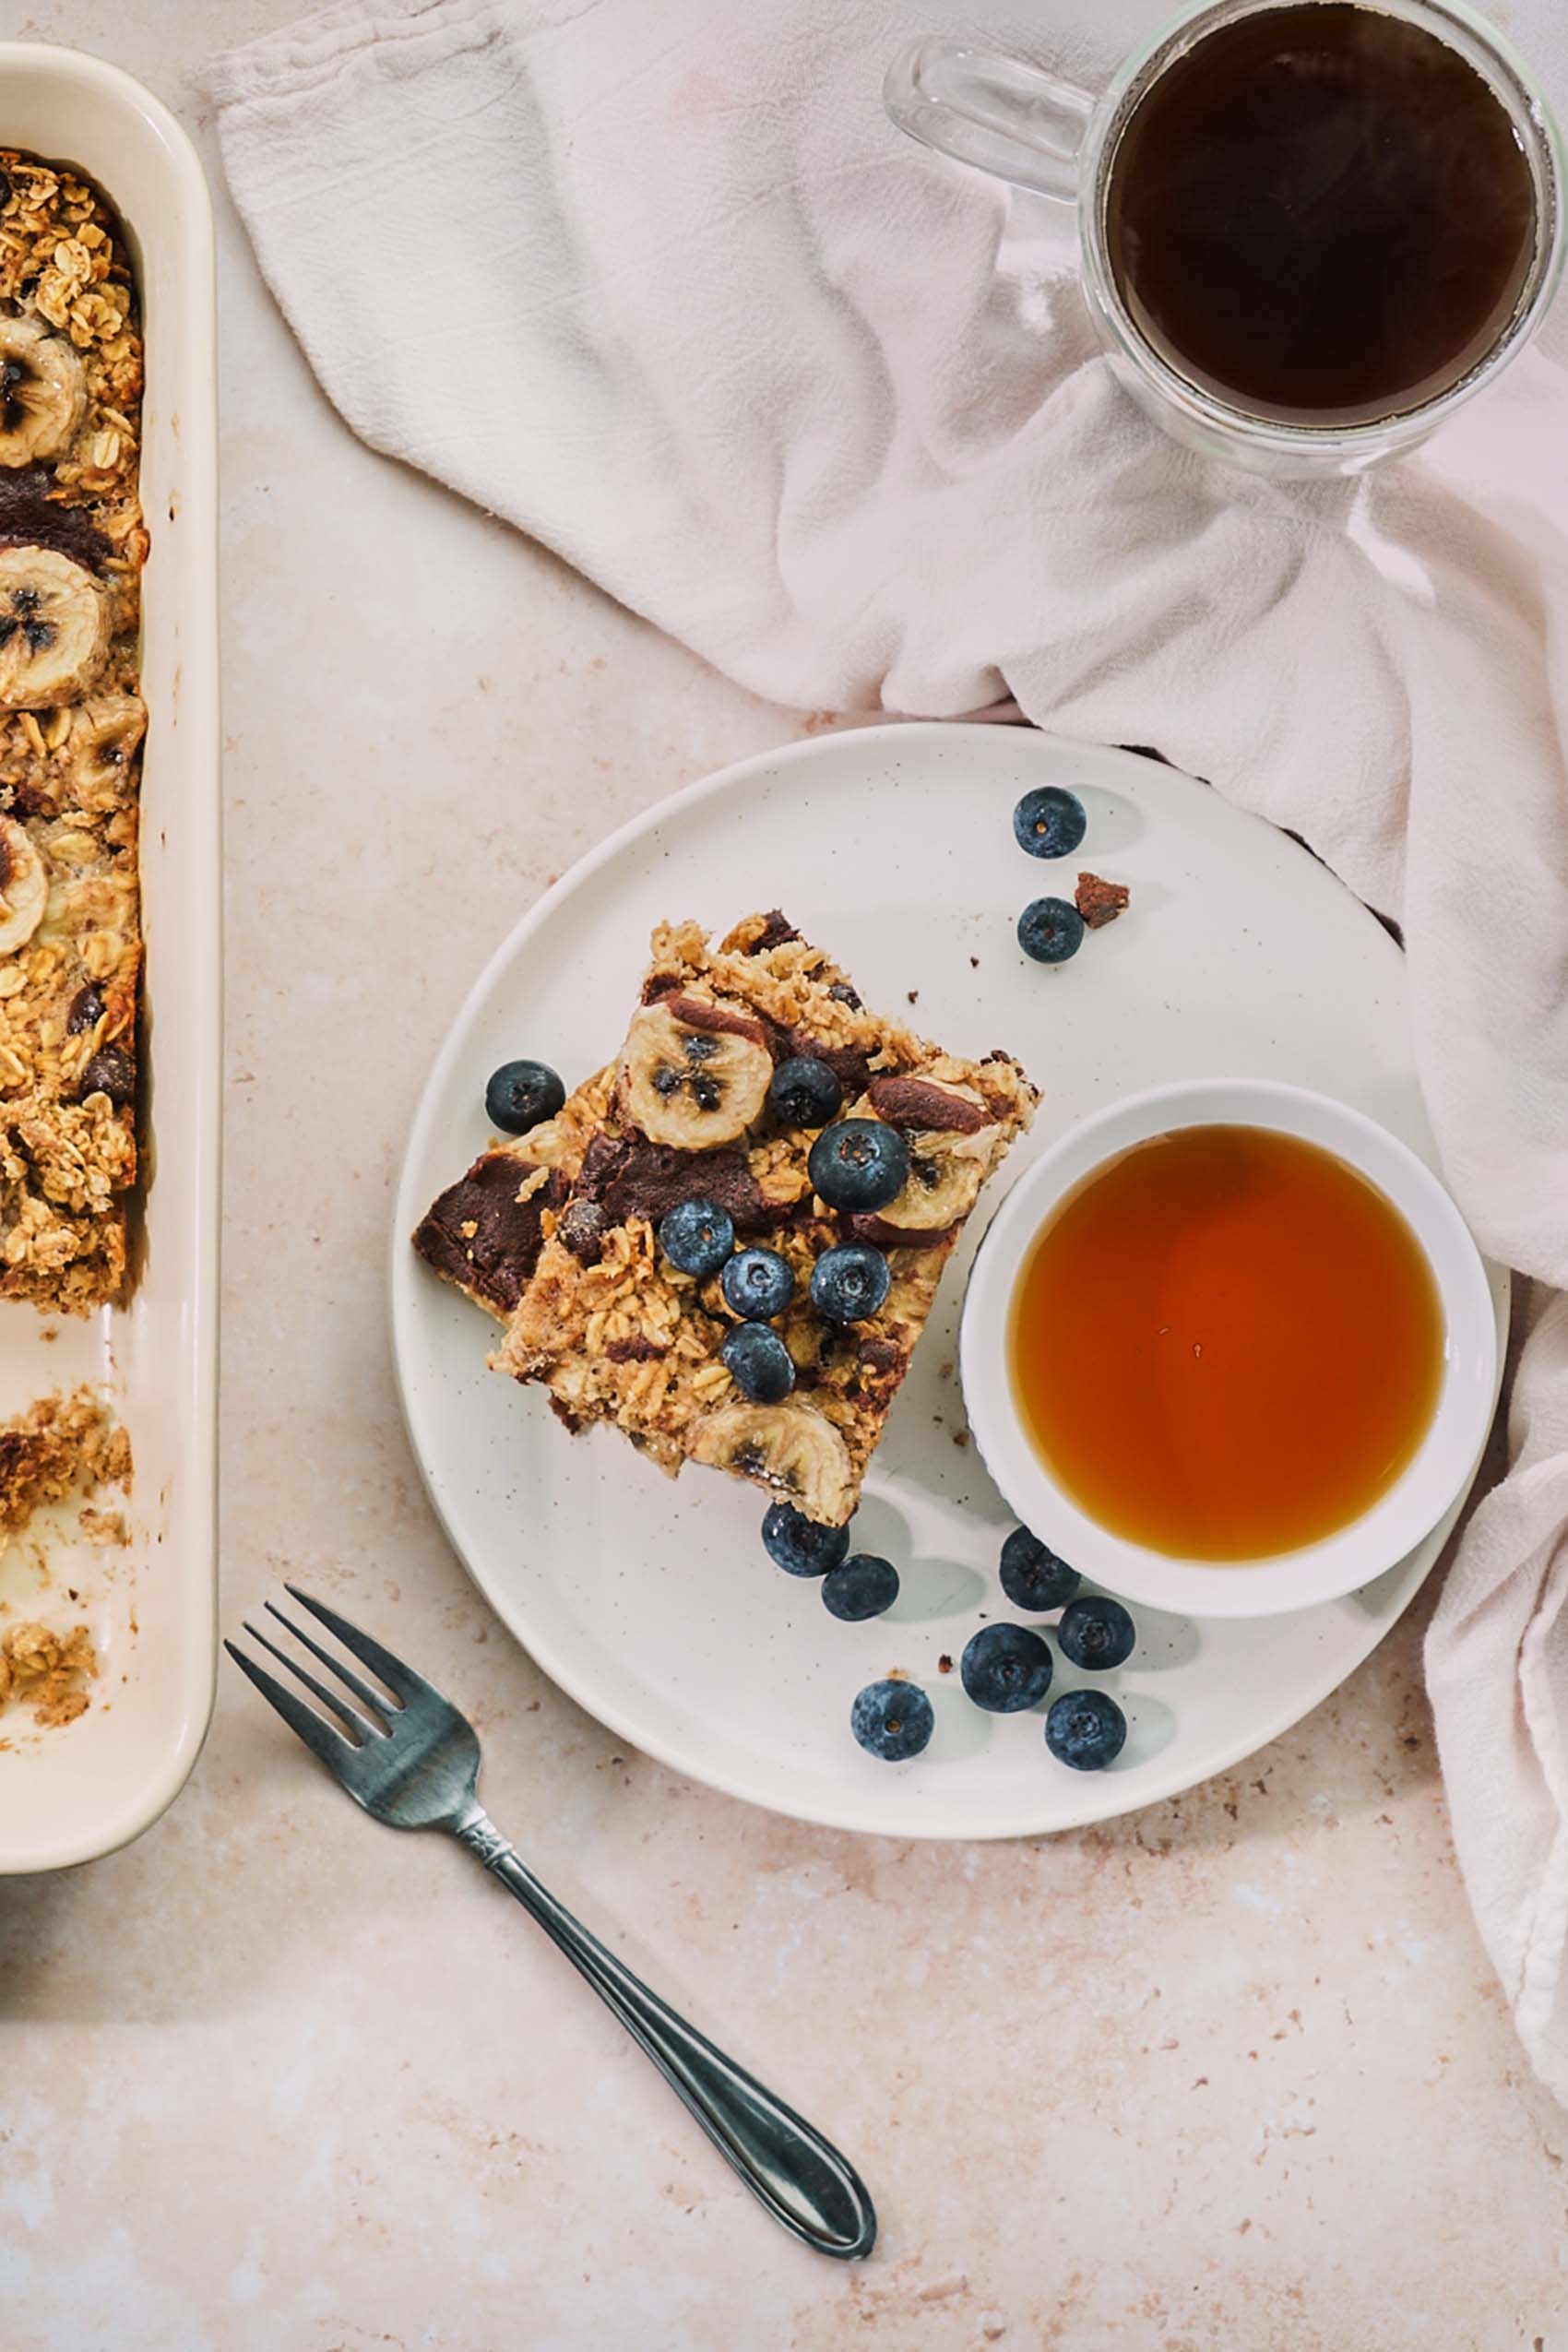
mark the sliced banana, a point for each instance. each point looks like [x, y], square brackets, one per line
[691, 1087]
[24, 888]
[54, 628]
[787, 1448]
[946, 1174]
[43, 391]
[105, 731]
[948, 1165]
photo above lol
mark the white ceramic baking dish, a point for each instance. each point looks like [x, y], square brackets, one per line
[68, 1794]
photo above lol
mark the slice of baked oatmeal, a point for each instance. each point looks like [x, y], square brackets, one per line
[616, 1333]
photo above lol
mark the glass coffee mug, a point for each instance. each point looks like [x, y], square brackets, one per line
[1308, 229]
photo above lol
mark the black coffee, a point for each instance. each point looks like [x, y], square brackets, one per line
[1321, 213]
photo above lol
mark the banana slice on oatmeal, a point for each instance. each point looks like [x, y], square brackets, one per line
[105, 731]
[954, 1140]
[24, 888]
[692, 1074]
[43, 392]
[791, 1449]
[54, 628]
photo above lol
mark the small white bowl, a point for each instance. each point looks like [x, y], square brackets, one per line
[1443, 1464]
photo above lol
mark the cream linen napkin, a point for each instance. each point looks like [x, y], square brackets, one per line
[828, 409]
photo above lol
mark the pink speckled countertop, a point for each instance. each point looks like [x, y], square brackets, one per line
[1231, 2074]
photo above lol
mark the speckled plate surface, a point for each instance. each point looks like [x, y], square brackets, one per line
[651, 1601]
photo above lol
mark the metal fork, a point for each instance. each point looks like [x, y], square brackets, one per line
[412, 1761]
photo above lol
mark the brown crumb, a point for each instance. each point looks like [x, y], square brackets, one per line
[1097, 901]
[59, 1442]
[46, 1670]
[974, 963]
[913, 994]
[960, 1437]
[102, 1527]
[944, 1664]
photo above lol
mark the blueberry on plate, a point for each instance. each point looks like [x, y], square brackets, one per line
[1050, 929]
[859, 1587]
[757, 1284]
[521, 1095]
[1048, 823]
[805, 1092]
[697, 1237]
[1096, 1633]
[759, 1363]
[1086, 1730]
[850, 1283]
[859, 1164]
[893, 1720]
[1032, 1574]
[801, 1547]
[1004, 1667]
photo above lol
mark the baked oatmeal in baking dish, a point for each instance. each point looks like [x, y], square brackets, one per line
[72, 545]
[728, 1243]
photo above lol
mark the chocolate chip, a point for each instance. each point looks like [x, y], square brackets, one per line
[631, 1177]
[29, 517]
[848, 1062]
[637, 1350]
[701, 1013]
[880, 1355]
[480, 1236]
[777, 929]
[110, 1072]
[86, 1010]
[866, 1226]
[915, 1102]
[580, 1229]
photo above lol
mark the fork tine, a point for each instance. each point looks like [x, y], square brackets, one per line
[319, 1738]
[401, 1680]
[350, 1717]
[376, 1700]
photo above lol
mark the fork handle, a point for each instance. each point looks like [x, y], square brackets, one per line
[799, 2177]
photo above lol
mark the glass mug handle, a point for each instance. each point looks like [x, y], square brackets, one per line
[1012, 120]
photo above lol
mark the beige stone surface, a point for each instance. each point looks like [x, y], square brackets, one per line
[1230, 2075]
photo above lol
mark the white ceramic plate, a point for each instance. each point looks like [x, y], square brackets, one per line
[651, 1602]
[68, 1795]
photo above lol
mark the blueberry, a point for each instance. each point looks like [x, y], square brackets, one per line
[805, 1093]
[1048, 823]
[1050, 929]
[1004, 1667]
[1096, 1633]
[1086, 1730]
[757, 1284]
[697, 1237]
[892, 1720]
[759, 1363]
[859, 1164]
[801, 1547]
[851, 1282]
[522, 1094]
[862, 1587]
[1032, 1576]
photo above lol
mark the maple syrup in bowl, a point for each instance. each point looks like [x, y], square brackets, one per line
[1229, 1348]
